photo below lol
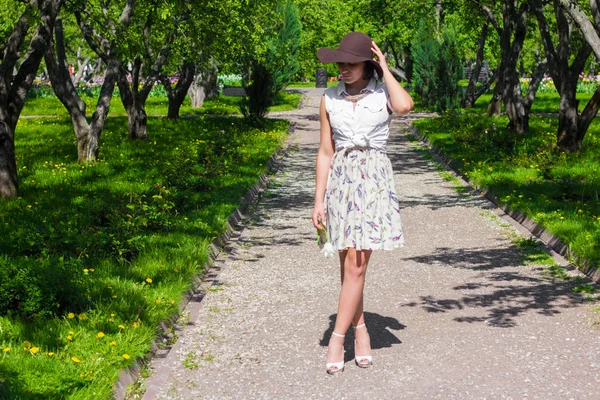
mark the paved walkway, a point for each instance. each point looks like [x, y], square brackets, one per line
[453, 315]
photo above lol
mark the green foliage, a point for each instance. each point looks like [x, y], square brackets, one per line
[426, 56]
[283, 49]
[259, 93]
[558, 190]
[95, 255]
[450, 73]
[269, 76]
[437, 68]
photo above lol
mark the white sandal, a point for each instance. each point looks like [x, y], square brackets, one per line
[335, 367]
[362, 361]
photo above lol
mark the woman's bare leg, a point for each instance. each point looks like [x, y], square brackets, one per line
[353, 270]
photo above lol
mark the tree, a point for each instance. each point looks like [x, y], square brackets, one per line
[572, 126]
[87, 133]
[471, 94]
[273, 72]
[140, 37]
[14, 87]
[425, 52]
[512, 34]
[450, 72]
[194, 58]
[437, 68]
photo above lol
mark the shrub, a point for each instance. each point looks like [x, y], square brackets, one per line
[271, 75]
[437, 69]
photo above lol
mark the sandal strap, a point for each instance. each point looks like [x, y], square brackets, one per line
[337, 334]
[359, 326]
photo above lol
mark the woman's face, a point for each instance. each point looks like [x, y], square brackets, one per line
[351, 72]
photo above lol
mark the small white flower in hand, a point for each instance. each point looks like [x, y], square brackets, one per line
[323, 242]
[328, 250]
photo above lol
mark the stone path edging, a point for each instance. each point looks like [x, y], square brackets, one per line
[208, 273]
[551, 240]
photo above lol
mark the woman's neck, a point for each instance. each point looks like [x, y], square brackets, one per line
[356, 87]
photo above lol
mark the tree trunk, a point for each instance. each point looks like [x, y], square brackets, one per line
[9, 184]
[495, 106]
[177, 94]
[134, 104]
[567, 137]
[86, 134]
[203, 86]
[513, 103]
[470, 98]
[137, 122]
[197, 95]
[14, 87]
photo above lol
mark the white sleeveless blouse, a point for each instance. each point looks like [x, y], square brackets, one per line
[367, 125]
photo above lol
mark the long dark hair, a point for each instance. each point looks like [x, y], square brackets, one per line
[370, 71]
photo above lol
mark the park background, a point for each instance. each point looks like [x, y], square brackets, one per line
[121, 159]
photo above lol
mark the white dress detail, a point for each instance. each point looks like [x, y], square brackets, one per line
[361, 204]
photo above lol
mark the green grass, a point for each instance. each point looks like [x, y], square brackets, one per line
[558, 190]
[543, 103]
[221, 105]
[98, 254]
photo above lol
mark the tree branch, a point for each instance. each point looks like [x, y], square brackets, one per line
[538, 11]
[584, 24]
[11, 51]
[92, 38]
[127, 14]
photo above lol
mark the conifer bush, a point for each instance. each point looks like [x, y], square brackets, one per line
[437, 68]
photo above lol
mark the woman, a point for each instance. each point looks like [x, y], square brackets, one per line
[355, 198]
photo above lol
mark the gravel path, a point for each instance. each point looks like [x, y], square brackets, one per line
[453, 315]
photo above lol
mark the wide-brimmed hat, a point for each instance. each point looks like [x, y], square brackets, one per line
[354, 47]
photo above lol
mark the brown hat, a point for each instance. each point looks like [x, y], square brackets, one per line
[354, 47]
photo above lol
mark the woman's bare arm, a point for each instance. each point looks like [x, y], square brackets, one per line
[400, 100]
[326, 148]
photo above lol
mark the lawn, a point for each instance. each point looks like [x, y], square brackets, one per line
[95, 255]
[158, 105]
[558, 190]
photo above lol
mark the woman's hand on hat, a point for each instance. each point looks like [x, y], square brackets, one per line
[380, 57]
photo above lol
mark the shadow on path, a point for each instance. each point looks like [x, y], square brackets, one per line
[379, 330]
[500, 290]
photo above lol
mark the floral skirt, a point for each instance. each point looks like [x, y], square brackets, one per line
[361, 205]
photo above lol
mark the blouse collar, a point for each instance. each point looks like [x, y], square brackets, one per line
[341, 87]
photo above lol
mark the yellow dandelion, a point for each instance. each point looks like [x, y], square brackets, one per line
[149, 280]
[85, 271]
[50, 354]
[6, 350]
[71, 333]
[81, 316]
[100, 335]
[70, 315]
[113, 343]
[75, 360]
[126, 356]
[121, 326]
[69, 337]
[34, 350]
